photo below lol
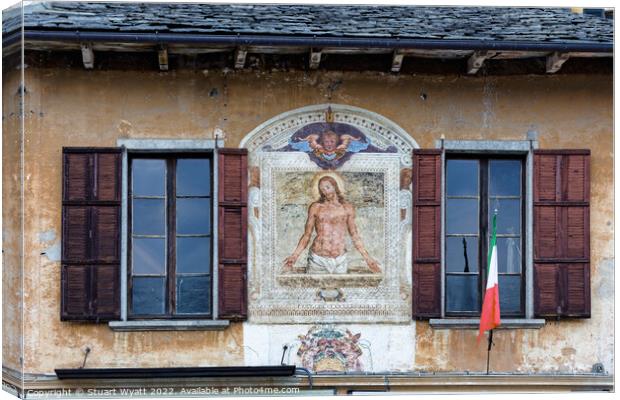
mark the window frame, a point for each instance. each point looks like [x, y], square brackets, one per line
[170, 236]
[526, 149]
[145, 146]
[483, 196]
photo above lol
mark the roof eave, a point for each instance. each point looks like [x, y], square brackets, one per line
[315, 41]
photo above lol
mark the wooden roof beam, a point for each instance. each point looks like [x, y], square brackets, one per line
[397, 61]
[555, 61]
[240, 55]
[315, 58]
[88, 56]
[162, 56]
[475, 61]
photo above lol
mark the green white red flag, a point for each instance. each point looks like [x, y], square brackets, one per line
[490, 318]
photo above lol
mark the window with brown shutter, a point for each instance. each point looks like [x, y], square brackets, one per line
[562, 233]
[232, 233]
[426, 233]
[90, 234]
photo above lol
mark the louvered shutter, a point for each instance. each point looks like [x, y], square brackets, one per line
[562, 233]
[232, 233]
[427, 233]
[91, 234]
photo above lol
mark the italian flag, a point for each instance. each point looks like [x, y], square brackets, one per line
[489, 318]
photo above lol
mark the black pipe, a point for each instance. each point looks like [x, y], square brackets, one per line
[189, 372]
[348, 42]
[310, 384]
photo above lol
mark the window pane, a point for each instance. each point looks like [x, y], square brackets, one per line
[456, 249]
[147, 296]
[193, 177]
[508, 216]
[510, 294]
[193, 294]
[462, 216]
[149, 217]
[149, 256]
[148, 177]
[193, 254]
[462, 178]
[462, 293]
[193, 216]
[509, 255]
[505, 177]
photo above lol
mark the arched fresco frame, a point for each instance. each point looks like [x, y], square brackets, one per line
[285, 162]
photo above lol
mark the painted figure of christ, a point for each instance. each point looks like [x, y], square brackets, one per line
[332, 218]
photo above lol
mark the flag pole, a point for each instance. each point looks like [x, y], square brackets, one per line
[489, 349]
[491, 331]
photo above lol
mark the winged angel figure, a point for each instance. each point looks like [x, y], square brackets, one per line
[328, 146]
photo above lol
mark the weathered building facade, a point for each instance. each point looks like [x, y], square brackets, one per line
[347, 232]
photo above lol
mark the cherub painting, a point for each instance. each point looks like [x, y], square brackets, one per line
[329, 145]
[331, 218]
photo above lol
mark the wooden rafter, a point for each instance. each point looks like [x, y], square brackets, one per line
[475, 61]
[240, 55]
[555, 61]
[315, 58]
[397, 61]
[88, 56]
[162, 56]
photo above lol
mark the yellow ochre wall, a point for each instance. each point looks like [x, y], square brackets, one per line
[73, 107]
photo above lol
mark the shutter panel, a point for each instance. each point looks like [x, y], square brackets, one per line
[108, 174]
[106, 302]
[77, 176]
[426, 233]
[562, 233]
[91, 234]
[76, 232]
[75, 297]
[232, 233]
[547, 289]
[106, 233]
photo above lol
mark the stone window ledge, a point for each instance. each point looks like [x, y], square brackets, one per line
[474, 323]
[168, 325]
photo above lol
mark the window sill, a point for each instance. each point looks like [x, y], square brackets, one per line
[474, 323]
[167, 325]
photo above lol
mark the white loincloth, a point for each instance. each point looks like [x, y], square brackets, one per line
[327, 265]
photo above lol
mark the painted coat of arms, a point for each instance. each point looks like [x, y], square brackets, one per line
[326, 349]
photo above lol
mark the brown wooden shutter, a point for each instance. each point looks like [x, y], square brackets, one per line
[562, 233]
[232, 233]
[427, 233]
[90, 273]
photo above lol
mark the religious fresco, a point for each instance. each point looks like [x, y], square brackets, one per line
[339, 216]
[329, 218]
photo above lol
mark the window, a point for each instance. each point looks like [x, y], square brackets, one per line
[476, 188]
[140, 224]
[170, 240]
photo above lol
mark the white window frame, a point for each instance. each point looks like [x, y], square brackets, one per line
[490, 147]
[172, 146]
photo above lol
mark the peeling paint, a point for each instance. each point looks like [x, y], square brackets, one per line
[47, 236]
[52, 252]
[605, 287]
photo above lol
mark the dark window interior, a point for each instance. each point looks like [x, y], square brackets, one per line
[170, 242]
[477, 187]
